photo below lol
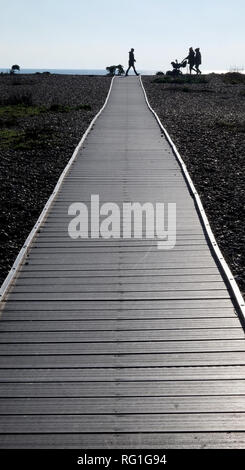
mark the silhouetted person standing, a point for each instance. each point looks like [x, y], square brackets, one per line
[131, 62]
[191, 59]
[198, 60]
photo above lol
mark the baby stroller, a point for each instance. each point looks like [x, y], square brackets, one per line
[176, 68]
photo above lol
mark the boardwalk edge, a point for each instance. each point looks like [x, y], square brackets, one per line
[24, 250]
[231, 282]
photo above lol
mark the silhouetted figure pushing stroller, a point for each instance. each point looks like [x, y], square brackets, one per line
[131, 62]
[191, 59]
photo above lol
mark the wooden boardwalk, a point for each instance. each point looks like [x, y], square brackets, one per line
[114, 343]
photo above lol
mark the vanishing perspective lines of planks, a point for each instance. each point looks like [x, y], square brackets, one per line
[115, 343]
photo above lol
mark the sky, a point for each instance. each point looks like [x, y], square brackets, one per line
[91, 34]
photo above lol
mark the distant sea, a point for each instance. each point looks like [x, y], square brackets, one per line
[73, 71]
[93, 71]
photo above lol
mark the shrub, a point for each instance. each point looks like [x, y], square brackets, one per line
[112, 69]
[120, 70]
[14, 68]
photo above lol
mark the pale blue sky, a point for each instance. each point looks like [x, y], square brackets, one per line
[96, 33]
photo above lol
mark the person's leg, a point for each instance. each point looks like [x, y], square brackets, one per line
[136, 73]
[126, 74]
[192, 68]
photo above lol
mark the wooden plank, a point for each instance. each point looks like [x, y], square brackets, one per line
[134, 324]
[123, 347]
[120, 295]
[122, 266]
[199, 440]
[132, 374]
[36, 336]
[181, 237]
[204, 422]
[117, 287]
[71, 249]
[224, 317]
[113, 304]
[107, 261]
[122, 405]
[118, 389]
[43, 245]
[105, 280]
[29, 271]
[124, 360]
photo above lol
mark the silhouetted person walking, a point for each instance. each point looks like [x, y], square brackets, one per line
[198, 60]
[131, 62]
[191, 59]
